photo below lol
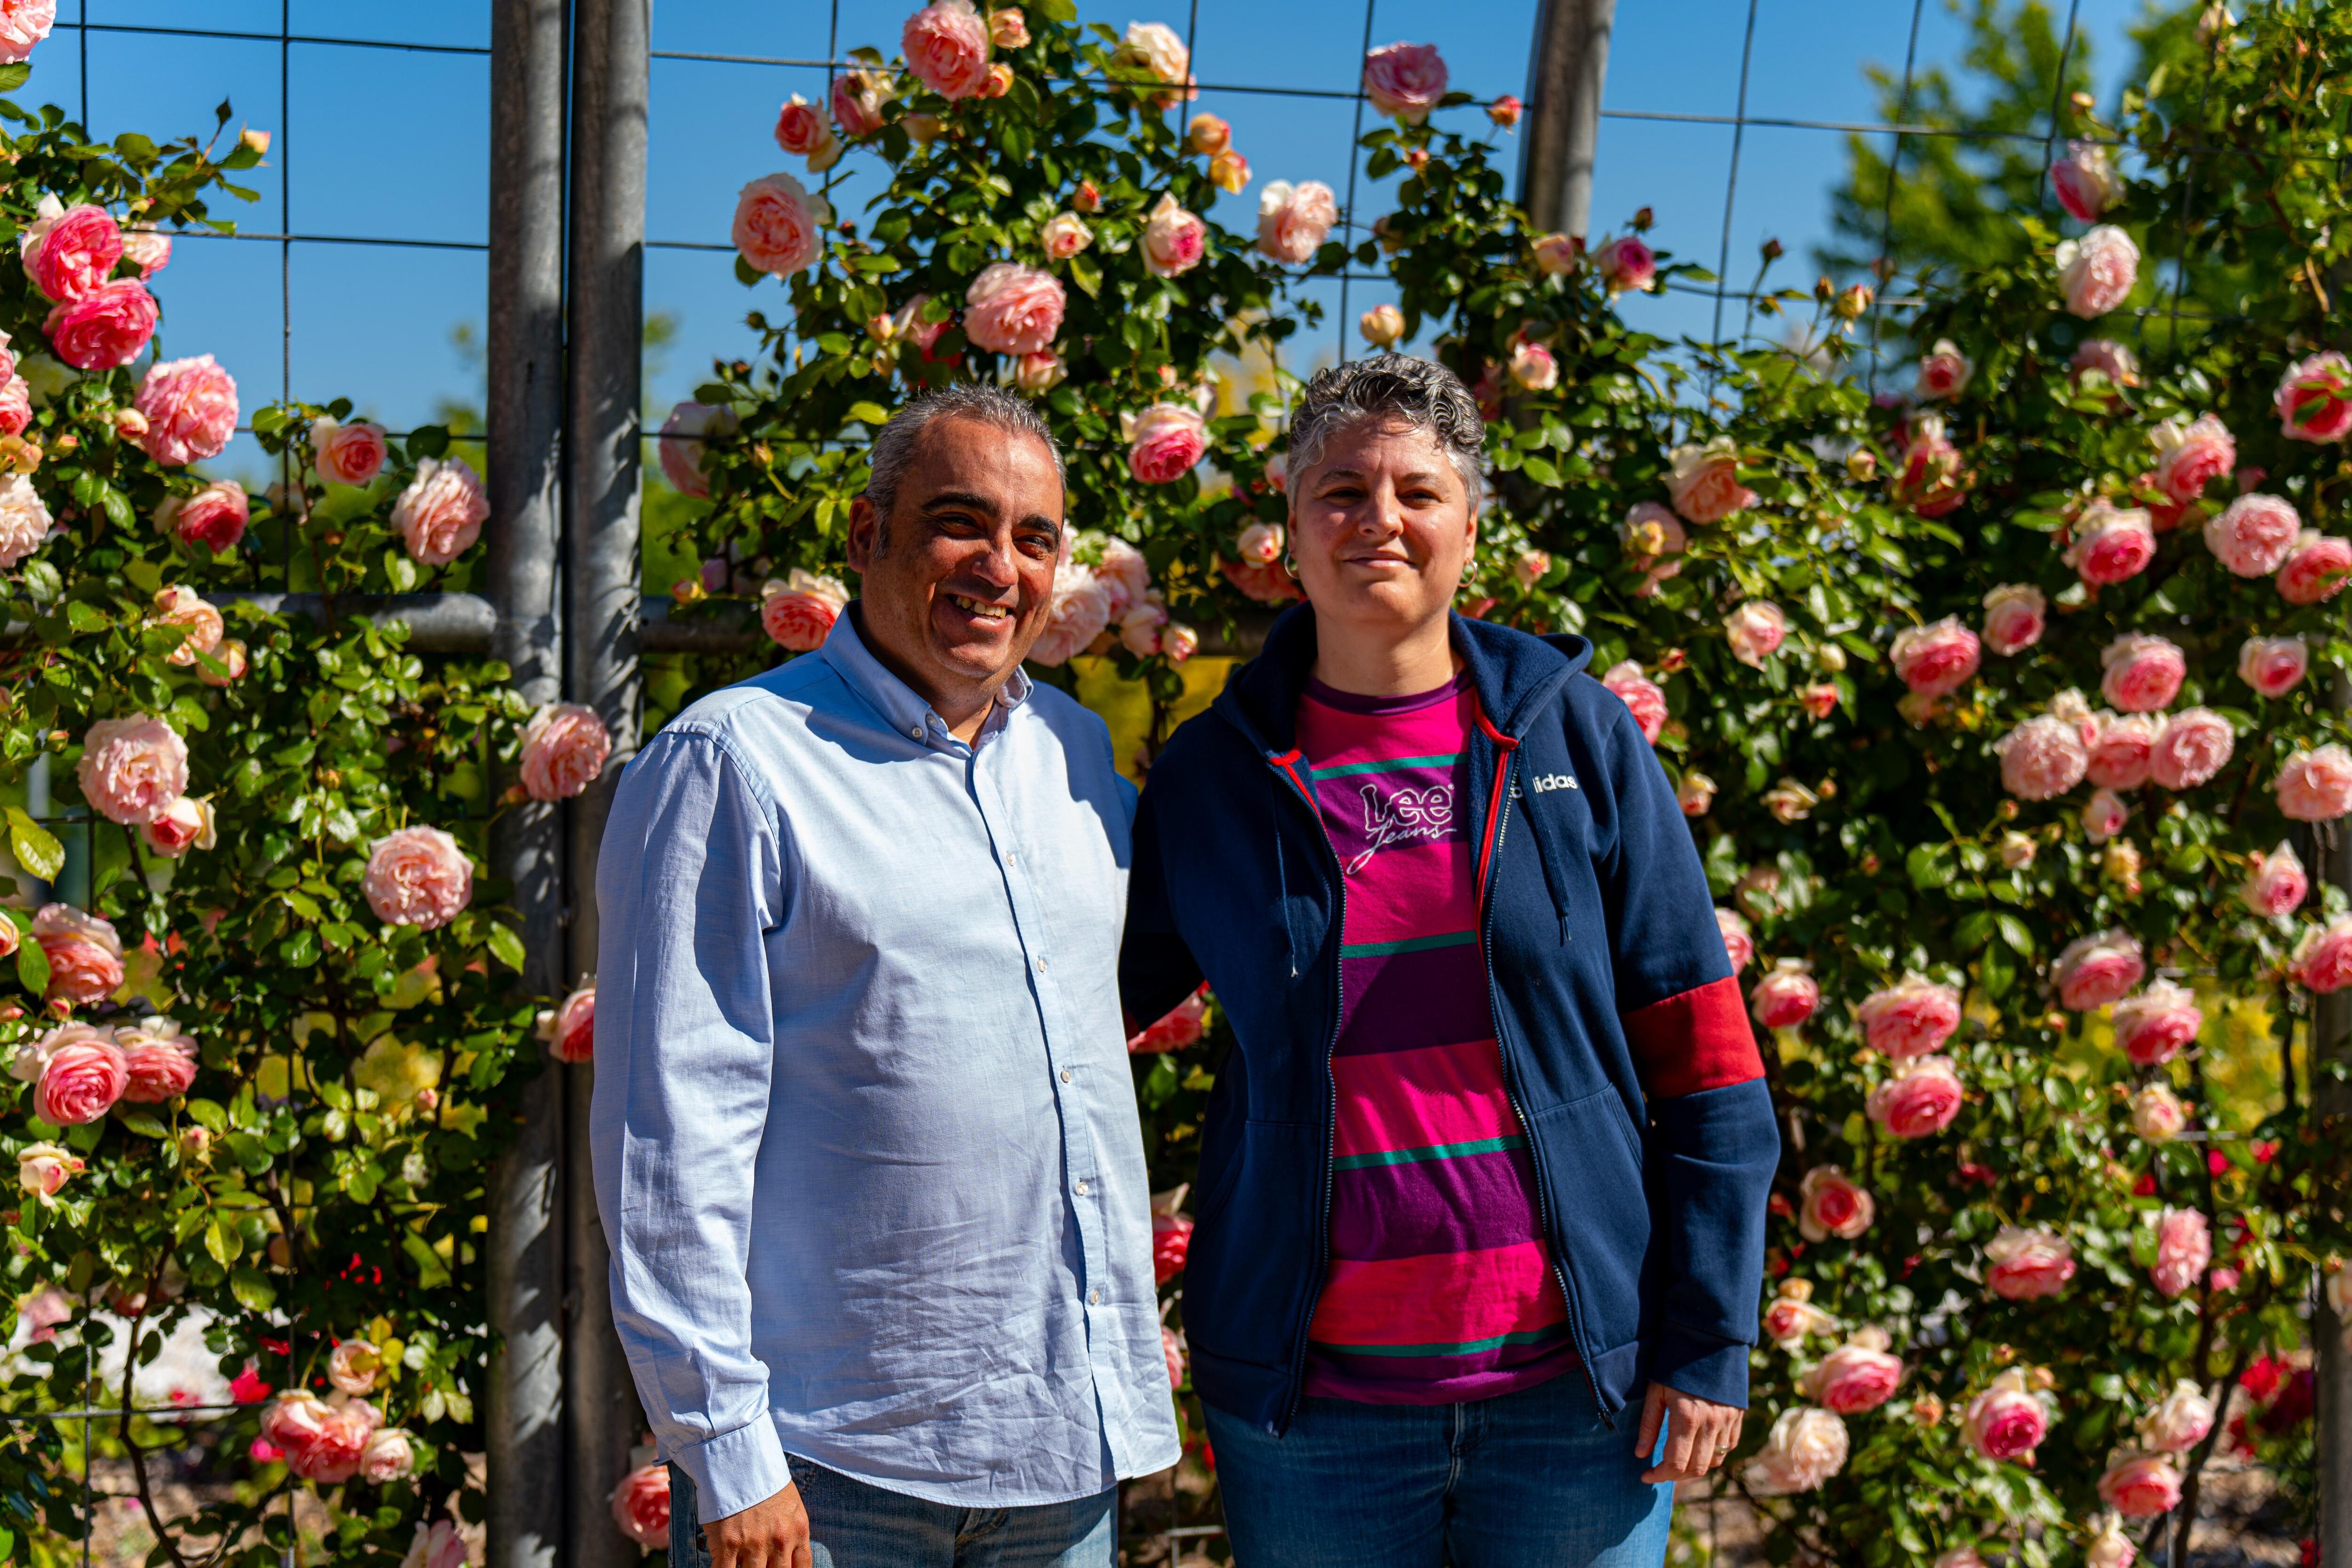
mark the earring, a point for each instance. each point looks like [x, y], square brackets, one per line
[1290, 563]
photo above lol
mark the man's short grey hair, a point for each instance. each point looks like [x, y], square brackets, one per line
[893, 447]
[1416, 392]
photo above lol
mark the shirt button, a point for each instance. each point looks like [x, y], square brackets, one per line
[1041, 963]
[1065, 1075]
[1082, 1189]
[916, 732]
[1094, 1298]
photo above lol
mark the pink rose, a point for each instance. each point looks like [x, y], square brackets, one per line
[1943, 370]
[798, 612]
[80, 1082]
[857, 99]
[441, 513]
[132, 770]
[2275, 882]
[1405, 82]
[1382, 326]
[1292, 219]
[2181, 1421]
[2316, 786]
[1854, 1377]
[2110, 1546]
[214, 518]
[1140, 628]
[2042, 759]
[1911, 1018]
[104, 328]
[1625, 266]
[1556, 253]
[443, 1547]
[1641, 697]
[85, 954]
[230, 654]
[563, 751]
[1013, 310]
[680, 445]
[2093, 971]
[2015, 613]
[1738, 946]
[293, 1423]
[2157, 1114]
[2006, 1421]
[641, 1502]
[1181, 1026]
[1151, 52]
[1265, 584]
[1755, 631]
[1650, 532]
[1786, 997]
[2103, 815]
[801, 129]
[2184, 1248]
[159, 1062]
[2143, 673]
[1063, 235]
[1920, 1097]
[418, 876]
[2190, 453]
[1079, 612]
[2111, 544]
[778, 223]
[2314, 398]
[1930, 480]
[23, 24]
[1829, 1203]
[1168, 440]
[190, 406]
[1703, 483]
[1260, 544]
[347, 454]
[332, 1455]
[352, 1366]
[2105, 358]
[1935, 659]
[1174, 240]
[2323, 959]
[2154, 1027]
[183, 607]
[1039, 372]
[1171, 1349]
[946, 44]
[2084, 181]
[1790, 1316]
[147, 249]
[2195, 744]
[43, 1170]
[2274, 666]
[387, 1456]
[1171, 1239]
[2316, 569]
[2096, 273]
[1806, 1447]
[2141, 1486]
[1819, 699]
[2119, 750]
[15, 406]
[569, 1029]
[76, 254]
[2024, 1265]
[2254, 535]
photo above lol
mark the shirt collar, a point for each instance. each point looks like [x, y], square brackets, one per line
[901, 706]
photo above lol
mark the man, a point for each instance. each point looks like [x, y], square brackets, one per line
[865, 1141]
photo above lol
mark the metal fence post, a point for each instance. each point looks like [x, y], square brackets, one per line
[1570, 63]
[610, 65]
[524, 1409]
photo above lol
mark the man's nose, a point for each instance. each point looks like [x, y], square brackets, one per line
[994, 563]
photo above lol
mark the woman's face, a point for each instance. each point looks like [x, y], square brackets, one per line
[1382, 527]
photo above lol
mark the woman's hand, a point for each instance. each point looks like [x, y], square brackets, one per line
[1700, 1434]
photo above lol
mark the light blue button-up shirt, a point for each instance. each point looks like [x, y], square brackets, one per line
[865, 1140]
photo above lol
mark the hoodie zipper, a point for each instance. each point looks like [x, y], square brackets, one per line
[1499, 813]
[1286, 762]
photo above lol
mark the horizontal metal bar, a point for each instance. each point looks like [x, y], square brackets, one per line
[95, 1414]
[1342, 95]
[338, 239]
[436, 622]
[273, 37]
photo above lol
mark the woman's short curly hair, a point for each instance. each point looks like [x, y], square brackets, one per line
[1421, 394]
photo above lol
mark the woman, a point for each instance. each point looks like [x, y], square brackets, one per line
[1489, 1158]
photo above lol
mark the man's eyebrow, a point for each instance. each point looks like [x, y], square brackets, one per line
[965, 500]
[1040, 520]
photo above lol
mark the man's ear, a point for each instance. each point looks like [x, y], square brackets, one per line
[865, 529]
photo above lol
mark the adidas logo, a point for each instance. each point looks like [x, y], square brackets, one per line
[1544, 781]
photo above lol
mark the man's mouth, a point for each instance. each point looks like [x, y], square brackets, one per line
[971, 606]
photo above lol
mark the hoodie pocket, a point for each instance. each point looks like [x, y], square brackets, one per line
[1592, 1177]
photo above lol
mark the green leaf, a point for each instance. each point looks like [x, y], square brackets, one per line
[427, 441]
[1540, 470]
[252, 1290]
[32, 968]
[36, 848]
[221, 1240]
[140, 1119]
[431, 1272]
[2014, 932]
[869, 413]
[507, 946]
[1086, 273]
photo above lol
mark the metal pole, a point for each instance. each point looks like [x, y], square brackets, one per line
[2331, 1108]
[524, 1424]
[1570, 64]
[607, 335]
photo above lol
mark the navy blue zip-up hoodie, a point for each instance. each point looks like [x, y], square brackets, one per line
[1626, 1046]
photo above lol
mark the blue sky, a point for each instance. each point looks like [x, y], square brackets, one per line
[380, 145]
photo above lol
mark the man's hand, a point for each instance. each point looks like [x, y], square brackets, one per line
[1700, 1435]
[770, 1534]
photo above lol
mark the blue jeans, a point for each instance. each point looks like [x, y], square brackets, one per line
[1531, 1479]
[855, 1525]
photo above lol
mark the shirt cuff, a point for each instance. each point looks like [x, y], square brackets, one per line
[737, 1470]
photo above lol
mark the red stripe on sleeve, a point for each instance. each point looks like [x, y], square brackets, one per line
[1698, 1040]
